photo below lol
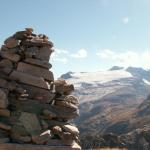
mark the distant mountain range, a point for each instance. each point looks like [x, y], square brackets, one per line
[113, 101]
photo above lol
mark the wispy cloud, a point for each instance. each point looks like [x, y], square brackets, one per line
[63, 59]
[125, 20]
[80, 54]
[63, 55]
[61, 51]
[60, 55]
[127, 58]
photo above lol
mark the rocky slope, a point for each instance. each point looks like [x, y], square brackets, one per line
[113, 101]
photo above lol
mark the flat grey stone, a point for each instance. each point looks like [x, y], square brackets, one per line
[11, 42]
[62, 87]
[3, 133]
[66, 104]
[10, 56]
[42, 138]
[5, 126]
[38, 94]
[44, 53]
[37, 62]
[35, 71]
[6, 66]
[4, 140]
[33, 106]
[3, 99]
[29, 79]
[31, 52]
[70, 128]
[3, 83]
[31, 123]
[4, 112]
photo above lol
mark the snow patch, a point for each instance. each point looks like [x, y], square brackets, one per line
[97, 77]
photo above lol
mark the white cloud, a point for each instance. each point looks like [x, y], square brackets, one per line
[127, 58]
[106, 54]
[61, 51]
[126, 20]
[82, 53]
[63, 60]
[60, 55]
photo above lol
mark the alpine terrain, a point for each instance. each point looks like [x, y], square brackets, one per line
[114, 106]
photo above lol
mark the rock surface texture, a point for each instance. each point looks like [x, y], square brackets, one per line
[35, 110]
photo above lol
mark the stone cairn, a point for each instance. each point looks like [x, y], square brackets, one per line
[34, 109]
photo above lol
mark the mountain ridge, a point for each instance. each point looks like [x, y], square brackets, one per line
[113, 101]
[117, 91]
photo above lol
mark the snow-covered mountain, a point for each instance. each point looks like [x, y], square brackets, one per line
[104, 95]
[95, 78]
[101, 77]
[91, 86]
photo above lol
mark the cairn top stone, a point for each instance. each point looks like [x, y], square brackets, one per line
[29, 30]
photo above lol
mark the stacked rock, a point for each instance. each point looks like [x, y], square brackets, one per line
[34, 109]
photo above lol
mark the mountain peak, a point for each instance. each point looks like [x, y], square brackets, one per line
[67, 75]
[139, 72]
[116, 68]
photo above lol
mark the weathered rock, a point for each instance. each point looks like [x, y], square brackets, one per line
[64, 135]
[44, 125]
[29, 30]
[38, 94]
[63, 88]
[29, 79]
[21, 35]
[11, 42]
[4, 140]
[56, 142]
[35, 41]
[5, 126]
[3, 99]
[39, 63]
[4, 63]
[25, 139]
[4, 134]
[10, 50]
[6, 66]
[69, 99]
[52, 123]
[42, 138]
[33, 109]
[38, 71]
[48, 114]
[4, 112]
[56, 130]
[33, 106]
[72, 129]
[66, 104]
[3, 83]
[72, 99]
[31, 52]
[31, 123]
[18, 130]
[19, 134]
[51, 146]
[44, 53]
[67, 137]
[10, 56]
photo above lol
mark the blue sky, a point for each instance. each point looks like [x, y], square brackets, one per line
[88, 35]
